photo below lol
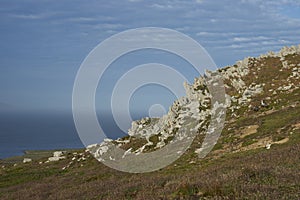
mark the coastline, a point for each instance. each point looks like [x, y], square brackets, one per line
[34, 155]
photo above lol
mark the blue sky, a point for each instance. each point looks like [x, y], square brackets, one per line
[43, 42]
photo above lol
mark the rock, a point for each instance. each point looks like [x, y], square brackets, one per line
[268, 146]
[284, 88]
[196, 104]
[249, 92]
[264, 104]
[285, 64]
[52, 159]
[27, 160]
[58, 153]
[289, 50]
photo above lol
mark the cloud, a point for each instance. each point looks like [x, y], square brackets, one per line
[28, 16]
[216, 34]
[199, 1]
[107, 26]
[254, 44]
[81, 19]
[162, 6]
[247, 39]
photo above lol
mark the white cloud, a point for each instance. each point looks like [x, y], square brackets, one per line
[245, 24]
[162, 6]
[199, 1]
[108, 26]
[28, 16]
[247, 39]
[81, 19]
[216, 34]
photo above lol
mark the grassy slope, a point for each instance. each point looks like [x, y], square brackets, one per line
[253, 174]
[256, 174]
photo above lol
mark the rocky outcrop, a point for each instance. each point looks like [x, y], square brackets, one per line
[57, 155]
[198, 106]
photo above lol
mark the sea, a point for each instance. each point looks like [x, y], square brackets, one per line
[43, 131]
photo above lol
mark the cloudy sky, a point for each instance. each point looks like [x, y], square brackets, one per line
[43, 42]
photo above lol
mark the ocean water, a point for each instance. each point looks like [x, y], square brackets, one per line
[42, 131]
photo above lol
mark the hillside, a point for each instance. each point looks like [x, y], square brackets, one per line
[256, 156]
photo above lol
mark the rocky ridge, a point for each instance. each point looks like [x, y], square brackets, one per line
[247, 90]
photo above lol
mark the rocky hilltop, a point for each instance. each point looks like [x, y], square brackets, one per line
[253, 86]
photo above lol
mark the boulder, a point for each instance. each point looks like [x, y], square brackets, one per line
[58, 153]
[51, 159]
[26, 160]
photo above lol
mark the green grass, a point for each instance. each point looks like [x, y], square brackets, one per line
[22, 174]
[248, 142]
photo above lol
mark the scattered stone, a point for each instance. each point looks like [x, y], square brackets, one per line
[196, 105]
[27, 160]
[53, 159]
[252, 90]
[57, 155]
[264, 104]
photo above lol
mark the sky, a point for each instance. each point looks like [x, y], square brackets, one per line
[44, 42]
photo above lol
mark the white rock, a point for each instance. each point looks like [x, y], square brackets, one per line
[26, 160]
[58, 153]
[53, 159]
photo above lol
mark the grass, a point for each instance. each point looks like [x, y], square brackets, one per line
[257, 173]
[21, 174]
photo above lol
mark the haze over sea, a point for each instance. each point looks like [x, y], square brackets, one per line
[42, 131]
